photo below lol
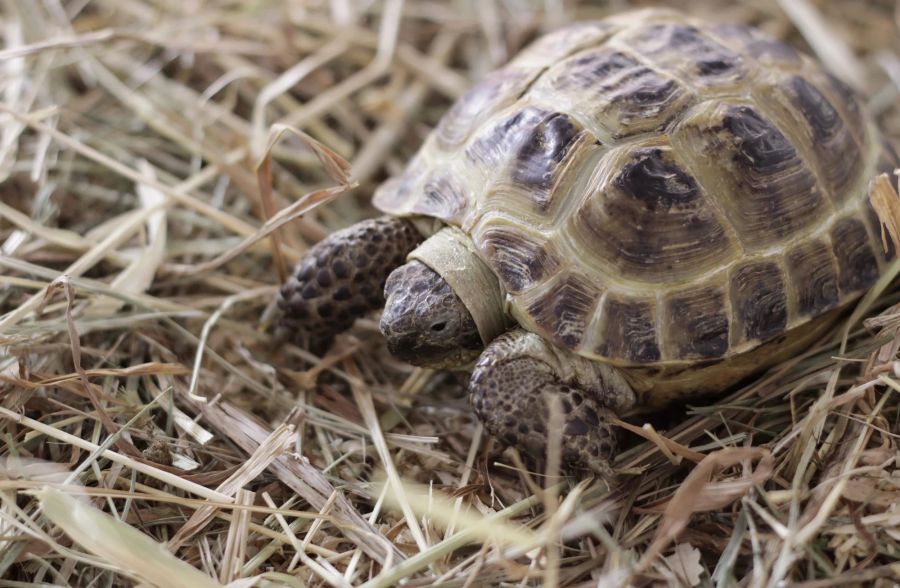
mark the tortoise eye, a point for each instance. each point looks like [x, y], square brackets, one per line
[438, 327]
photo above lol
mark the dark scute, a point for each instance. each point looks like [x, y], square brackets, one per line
[616, 77]
[492, 146]
[775, 192]
[698, 323]
[759, 300]
[541, 154]
[629, 331]
[652, 218]
[656, 182]
[857, 266]
[591, 67]
[760, 144]
[812, 272]
[674, 41]
[848, 97]
[823, 119]
[618, 88]
[849, 102]
[837, 154]
[652, 92]
[563, 311]
[519, 261]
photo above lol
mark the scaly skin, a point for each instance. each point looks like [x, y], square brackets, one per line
[509, 390]
[425, 322]
[342, 278]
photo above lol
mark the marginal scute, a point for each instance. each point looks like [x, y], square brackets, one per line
[652, 219]
[401, 194]
[495, 144]
[520, 260]
[759, 301]
[537, 163]
[813, 275]
[486, 97]
[565, 308]
[838, 157]
[857, 266]
[848, 103]
[698, 323]
[444, 197]
[628, 330]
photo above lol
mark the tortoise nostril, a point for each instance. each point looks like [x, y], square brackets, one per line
[438, 327]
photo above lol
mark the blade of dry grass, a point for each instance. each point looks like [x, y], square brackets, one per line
[134, 553]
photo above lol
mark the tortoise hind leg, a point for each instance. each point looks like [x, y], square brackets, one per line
[509, 390]
[342, 278]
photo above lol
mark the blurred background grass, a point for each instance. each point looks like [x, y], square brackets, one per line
[147, 384]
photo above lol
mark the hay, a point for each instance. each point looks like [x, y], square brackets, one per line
[154, 159]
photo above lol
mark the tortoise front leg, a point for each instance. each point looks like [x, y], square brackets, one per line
[509, 390]
[342, 278]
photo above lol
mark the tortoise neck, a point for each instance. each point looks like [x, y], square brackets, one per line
[452, 255]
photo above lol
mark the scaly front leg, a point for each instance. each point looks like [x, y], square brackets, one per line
[509, 390]
[342, 278]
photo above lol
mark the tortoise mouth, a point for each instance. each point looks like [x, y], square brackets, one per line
[414, 348]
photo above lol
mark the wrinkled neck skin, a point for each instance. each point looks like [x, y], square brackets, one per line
[443, 305]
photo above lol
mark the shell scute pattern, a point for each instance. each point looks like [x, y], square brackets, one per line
[857, 265]
[615, 93]
[767, 191]
[651, 218]
[699, 322]
[628, 328]
[759, 300]
[541, 156]
[493, 145]
[564, 310]
[522, 261]
[814, 276]
[485, 98]
[687, 50]
[655, 190]
[837, 156]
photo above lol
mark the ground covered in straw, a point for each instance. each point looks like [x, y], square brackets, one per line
[154, 431]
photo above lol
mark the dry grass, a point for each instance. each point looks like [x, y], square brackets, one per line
[153, 433]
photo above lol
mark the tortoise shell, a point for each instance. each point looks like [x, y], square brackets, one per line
[654, 189]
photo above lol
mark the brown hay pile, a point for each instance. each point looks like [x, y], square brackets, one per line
[139, 377]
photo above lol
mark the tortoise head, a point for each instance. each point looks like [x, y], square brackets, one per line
[425, 322]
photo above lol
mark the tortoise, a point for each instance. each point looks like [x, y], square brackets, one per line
[632, 211]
